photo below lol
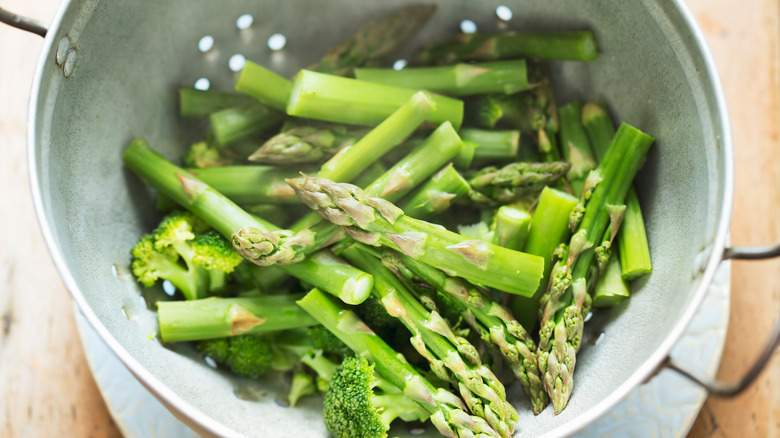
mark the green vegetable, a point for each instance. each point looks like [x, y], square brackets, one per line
[255, 184]
[512, 226]
[264, 85]
[575, 145]
[306, 144]
[203, 155]
[436, 195]
[566, 45]
[237, 123]
[493, 145]
[506, 77]
[376, 221]
[610, 287]
[200, 103]
[514, 181]
[447, 411]
[245, 356]
[342, 100]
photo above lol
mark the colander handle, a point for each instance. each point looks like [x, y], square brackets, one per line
[714, 386]
[23, 23]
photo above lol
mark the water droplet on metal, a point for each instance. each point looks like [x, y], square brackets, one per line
[70, 63]
[468, 26]
[249, 392]
[588, 317]
[504, 13]
[243, 22]
[600, 338]
[399, 65]
[236, 62]
[206, 43]
[128, 314]
[277, 41]
[210, 362]
[62, 50]
[417, 431]
[168, 288]
[114, 271]
[202, 84]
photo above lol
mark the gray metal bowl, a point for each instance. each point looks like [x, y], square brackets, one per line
[115, 76]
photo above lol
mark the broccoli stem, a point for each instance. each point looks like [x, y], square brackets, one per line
[512, 227]
[212, 318]
[348, 283]
[454, 80]
[575, 145]
[563, 45]
[236, 123]
[437, 194]
[452, 358]
[493, 145]
[549, 229]
[443, 406]
[376, 221]
[254, 184]
[264, 85]
[632, 238]
[200, 103]
[610, 287]
[335, 99]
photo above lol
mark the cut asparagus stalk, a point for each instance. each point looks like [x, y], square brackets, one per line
[232, 124]
[549, 229]
[562, 319]
[376, 221]
[515, 180]
[466, 155]
[376, 40]
[264, 85]
[452, 358]
[448, 412]
[348, 283]
[506, 77]
[335, 99]
[212, 318]
[632, 238]
[575, 145]
[610, 287]
[494, 323]
[437, 194]
[632, 241]
[512, 226]
[493, 145]
[201, 103]
[440, 147]
[250, 184]
[306, 144]
[564, 45]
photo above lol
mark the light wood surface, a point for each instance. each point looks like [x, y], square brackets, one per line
[46, 388]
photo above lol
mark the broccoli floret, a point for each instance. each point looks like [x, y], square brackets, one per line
[302, 384]
[246, 356]
[361, 404]
[373, 313]
[323, 339]
[203, 155]
[182, 251]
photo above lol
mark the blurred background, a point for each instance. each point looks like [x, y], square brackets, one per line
[47, 389]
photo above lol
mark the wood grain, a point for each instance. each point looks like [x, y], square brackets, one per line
[45, 385]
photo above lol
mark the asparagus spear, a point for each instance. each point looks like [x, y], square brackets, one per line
[250, 184]
[199, 103]
[562, 320]
[335, 99]
[511, 227]
[213, 318]
[232, 124]
[466, 155]
[436, 195]
[610, 287]
[305, 144]
[440, 147]
[632, 238]
[326, 271]
[376, 221]
[549, 229]
[575, 145]
[376, 40]
[493, 322]
[493, 145]
[564, 45]
[506, 77]
[448, 412]
[264, 85]
[514, 181]
[452, 358]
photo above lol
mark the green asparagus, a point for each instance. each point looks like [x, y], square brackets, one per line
[511, 227]
[200, 103]
[437, 194]
[306, 144]
[575, 145]
[232, 124]
[493, 145]
[264, 85]
[515, 180]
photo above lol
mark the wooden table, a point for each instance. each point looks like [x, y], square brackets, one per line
[46, 388]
